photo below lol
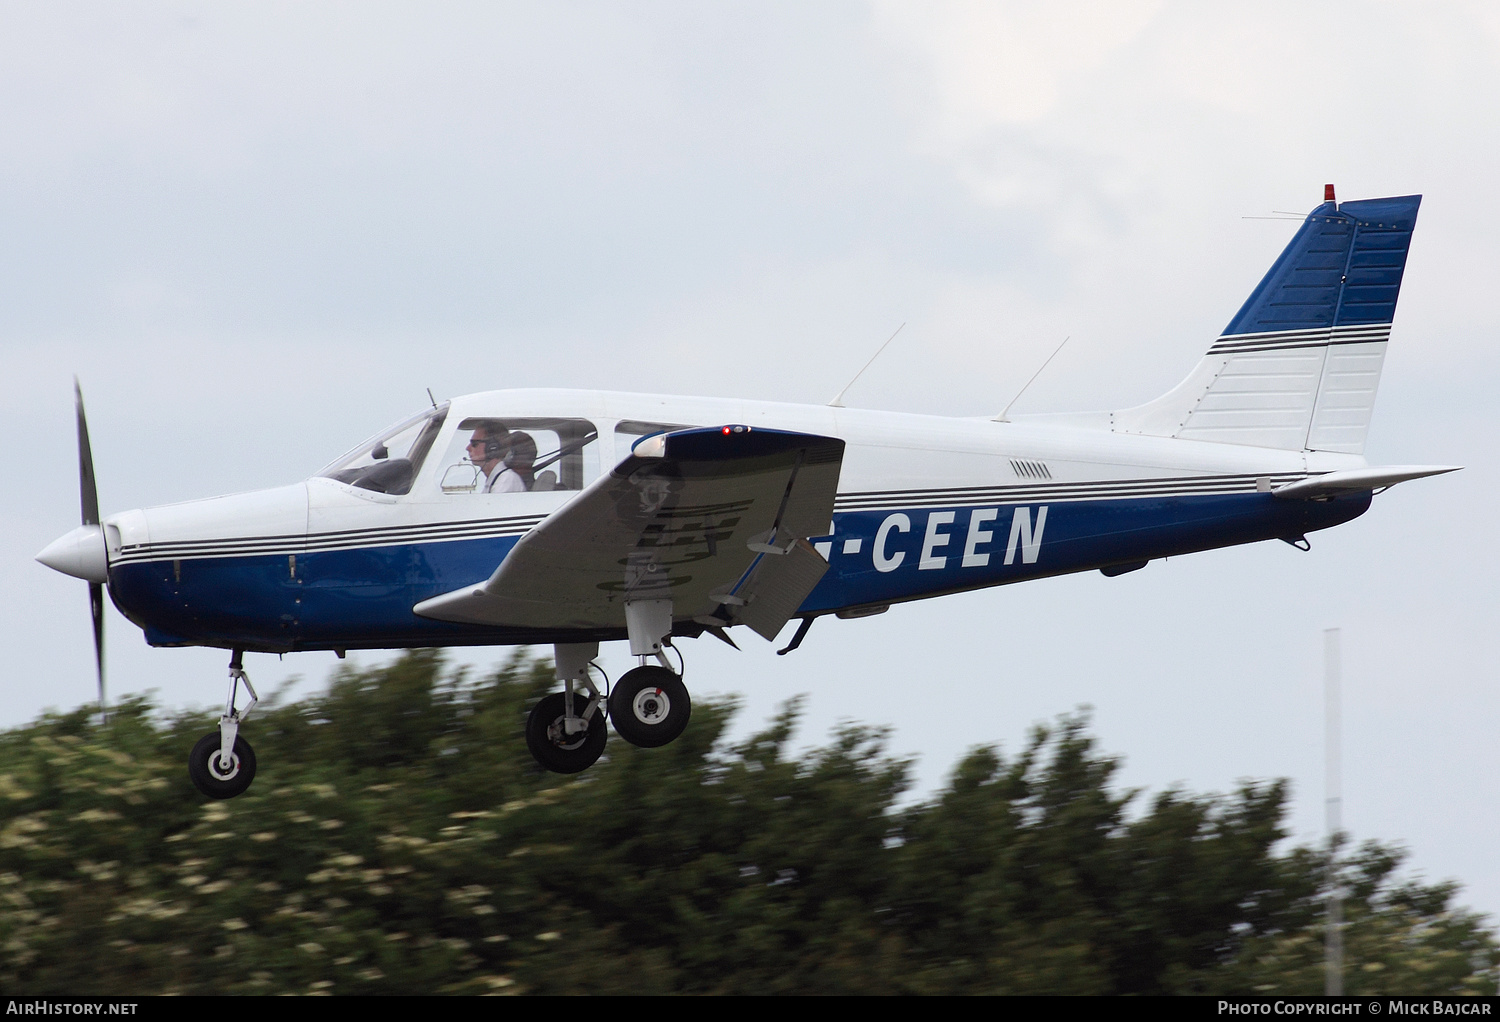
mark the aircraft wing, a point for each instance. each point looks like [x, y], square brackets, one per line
[1331, 484]
[715, 519]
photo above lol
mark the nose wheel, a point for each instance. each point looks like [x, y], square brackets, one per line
[222, 764]
[649, 706]
[216, 777]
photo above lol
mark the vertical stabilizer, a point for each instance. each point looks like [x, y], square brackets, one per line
[1298, 366]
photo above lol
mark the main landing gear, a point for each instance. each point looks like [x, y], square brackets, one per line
[222, 764]
[649, 705]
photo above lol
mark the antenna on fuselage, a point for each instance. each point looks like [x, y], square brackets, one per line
[1002, 416]
[431, 398]
[838, 399]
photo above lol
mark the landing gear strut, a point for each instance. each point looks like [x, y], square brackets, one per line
[552, 743]
[222, 764]
[649, 707]
[565, 730]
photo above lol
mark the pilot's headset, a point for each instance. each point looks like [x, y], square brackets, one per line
[496, 441]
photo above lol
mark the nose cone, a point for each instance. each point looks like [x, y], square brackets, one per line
[81, 553]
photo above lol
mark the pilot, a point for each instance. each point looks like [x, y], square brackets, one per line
[504, 457]
[487, 447]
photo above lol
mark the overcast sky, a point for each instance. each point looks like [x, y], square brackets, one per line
[258, 231]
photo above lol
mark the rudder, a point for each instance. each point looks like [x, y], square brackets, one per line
[1298, 366]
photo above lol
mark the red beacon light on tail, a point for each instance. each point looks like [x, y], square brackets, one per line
[1328, 194]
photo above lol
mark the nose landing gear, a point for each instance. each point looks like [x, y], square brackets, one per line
[222, 764]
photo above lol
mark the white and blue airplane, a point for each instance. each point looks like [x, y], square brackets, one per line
[578, 517]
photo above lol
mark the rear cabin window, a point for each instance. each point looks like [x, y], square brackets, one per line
[500, 454]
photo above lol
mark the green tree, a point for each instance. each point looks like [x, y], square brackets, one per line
[1400, 936]
[400, 839]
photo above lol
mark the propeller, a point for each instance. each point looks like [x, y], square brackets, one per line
[88, 499]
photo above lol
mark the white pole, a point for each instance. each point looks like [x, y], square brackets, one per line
[1333, 977]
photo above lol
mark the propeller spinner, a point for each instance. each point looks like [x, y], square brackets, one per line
[82, 553]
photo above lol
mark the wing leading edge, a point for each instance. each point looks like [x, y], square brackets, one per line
[715, 520]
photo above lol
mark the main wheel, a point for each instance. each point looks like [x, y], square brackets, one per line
[649, 707]
[553, 747]
[215, 778]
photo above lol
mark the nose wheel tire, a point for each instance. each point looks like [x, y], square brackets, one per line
[550, 743]
[218, 779]
[649, 707]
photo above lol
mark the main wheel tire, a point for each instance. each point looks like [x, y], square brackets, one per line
[552, 747]
[649, 707]
[211, 777]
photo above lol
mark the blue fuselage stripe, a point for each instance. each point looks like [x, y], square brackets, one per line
[362, 598]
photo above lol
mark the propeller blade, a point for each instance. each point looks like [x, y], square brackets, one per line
[88, 500]
[96, 608]
[88, 492]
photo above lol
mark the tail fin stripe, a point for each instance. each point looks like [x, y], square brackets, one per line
[1238, 343]
[1314, 332]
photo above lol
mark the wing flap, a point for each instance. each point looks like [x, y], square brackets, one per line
[675, 520]
[772, 589]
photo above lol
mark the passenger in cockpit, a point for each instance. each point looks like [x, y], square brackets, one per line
[504, 457]
[519, 462]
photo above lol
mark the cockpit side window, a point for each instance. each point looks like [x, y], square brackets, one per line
[389, 461]
[505, 454]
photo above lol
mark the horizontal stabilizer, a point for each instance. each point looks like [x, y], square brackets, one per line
[1331, 484]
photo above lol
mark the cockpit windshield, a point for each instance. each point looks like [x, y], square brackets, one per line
[390, 460]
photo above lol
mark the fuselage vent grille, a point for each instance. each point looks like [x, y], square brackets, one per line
[1030, 469]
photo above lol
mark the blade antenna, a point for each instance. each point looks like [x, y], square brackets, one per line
[838, 399]
[88, 499]
[1002, 416]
